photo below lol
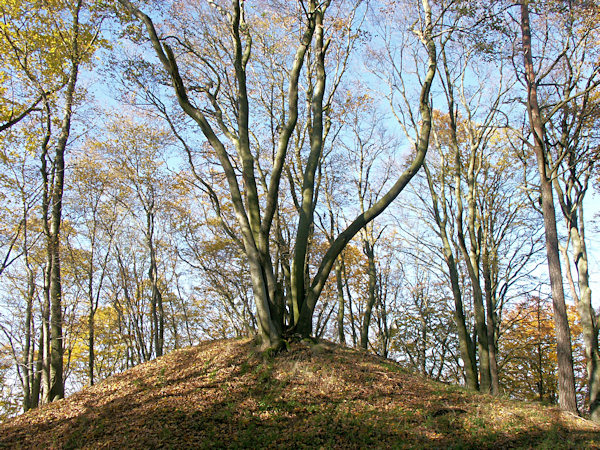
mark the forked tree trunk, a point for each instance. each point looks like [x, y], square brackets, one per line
[470, 253]
[441, 217]
[256, 229]
[589, 321]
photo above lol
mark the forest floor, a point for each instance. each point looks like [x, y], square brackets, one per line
[223, 394]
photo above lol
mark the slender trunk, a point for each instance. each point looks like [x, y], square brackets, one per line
[491, 324]
[302, 314]
[45, 306]
[424, 327]
[480, 322]
[29, 347]
[349, 296]
[57, 386]
[45, 340]
[540, 364]
[371, 298]
[383, 323]
[320, 278]
[466, 347]
[589, 321]
[566, 378]
[156, 306]
[340, 298]
[91, 339]
[571, 203]
[28, 350]
[470, 253]
[174, 326]
[37, 375]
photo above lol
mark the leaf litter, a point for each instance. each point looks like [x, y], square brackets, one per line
[225, 394]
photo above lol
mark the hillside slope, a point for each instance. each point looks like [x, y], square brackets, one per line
[221, 394]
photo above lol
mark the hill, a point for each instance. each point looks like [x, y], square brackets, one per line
[222, 394]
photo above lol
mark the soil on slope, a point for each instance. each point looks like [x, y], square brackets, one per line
[223, 394]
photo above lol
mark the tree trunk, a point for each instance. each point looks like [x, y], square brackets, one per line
[491, 323]
[45, 339]
[156, 306]
[303, 314]
[371, 294]
[350, 311]
[340, 298]
[467, 351]
[589, 321]
[91, 339]
[421, 147]
[254, 229]
[566, 378]
[57, 387]
[471, 252]
[37, 376]
[28, 351]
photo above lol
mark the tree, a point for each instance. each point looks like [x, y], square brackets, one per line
[397, 55]
[442, 215]
[93, 203]
[47, 43]
[573, 154]
[528, 360]
[136, 155]
[540, 118]
[216, 123]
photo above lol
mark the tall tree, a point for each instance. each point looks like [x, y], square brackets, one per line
[256, 223]
[538, 121]
[94, 209]
[46, 45]
[136, 158]
[573, 155]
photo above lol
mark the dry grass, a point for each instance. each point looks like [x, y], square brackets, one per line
[223, 394]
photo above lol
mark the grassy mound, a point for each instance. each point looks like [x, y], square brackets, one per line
[222, 394]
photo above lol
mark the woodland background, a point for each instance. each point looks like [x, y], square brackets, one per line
[121, 238]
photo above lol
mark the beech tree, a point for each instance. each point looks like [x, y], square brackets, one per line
[527, 365]
[136, 156]
[46, 46]
[542, 118]
[202, 101]
[114, 250]
[93, 205]
[573, 154]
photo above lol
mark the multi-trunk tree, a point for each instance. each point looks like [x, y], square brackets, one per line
[215, 87]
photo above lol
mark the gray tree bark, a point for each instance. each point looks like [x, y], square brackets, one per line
[566, 378]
